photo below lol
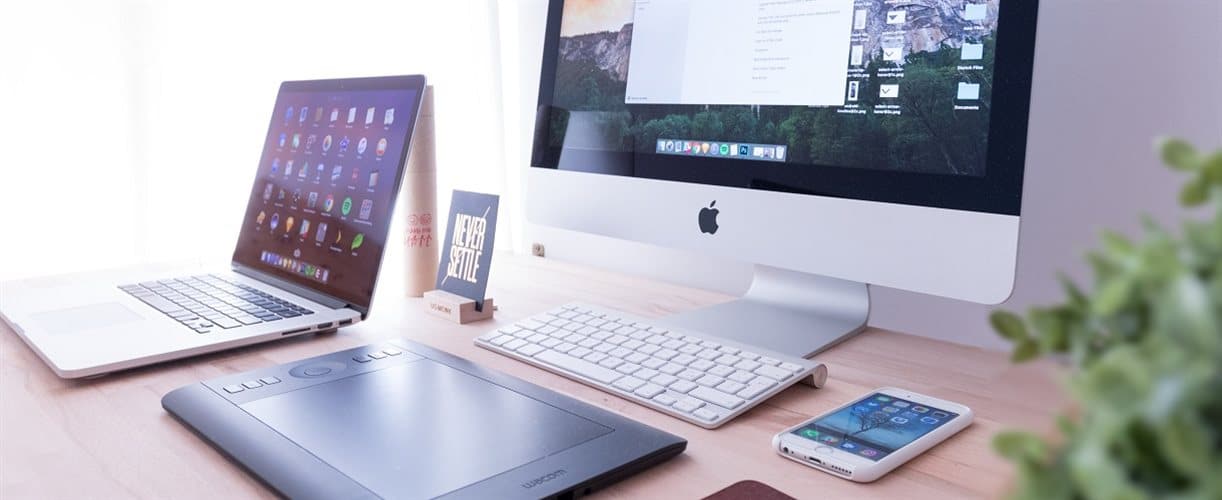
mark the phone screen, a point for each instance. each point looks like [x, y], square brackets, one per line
[875, 426]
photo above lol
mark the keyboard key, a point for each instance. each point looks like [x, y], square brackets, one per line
[747, 365]
[754, 389]
[629, 383]
[709, 354]
[731, 387]
[649, 390]
[791, 367]
[717, 397]
[530, 349]
[683, 359]
[665, 399]
[773, 372]
[628, 368]
[702, 365]
[648, 362]
[710, 380]
[706, 414]
[581, 367]
[611, 362]
[663, 379]
[624, 352]
[671, 369]
[690, 374]
[688, 404]
[721, 370]
[729, 350]
[595, 357]
[565, 347]
[500, 340]
[742, 377]
[227, 323]
[638, 358]
[666, 354]
[769, 361]
[728, 359]
[579, 352]
[682, 386]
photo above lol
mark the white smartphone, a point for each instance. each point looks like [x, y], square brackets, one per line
[867, 438]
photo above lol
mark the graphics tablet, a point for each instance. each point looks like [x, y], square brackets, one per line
[401, 420]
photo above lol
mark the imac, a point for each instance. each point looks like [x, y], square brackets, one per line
[834, 144]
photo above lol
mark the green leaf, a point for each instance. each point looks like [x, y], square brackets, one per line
[1195, 193]
[1113, 295]
[1025, 351]
[1009, 326]
[1021, 447]
[1211, 167]
[1178, 154]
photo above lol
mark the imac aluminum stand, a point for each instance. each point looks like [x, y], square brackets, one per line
[787, 312]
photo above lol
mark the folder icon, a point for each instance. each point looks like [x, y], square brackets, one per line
[975, 11]
[972, 52]
[969, 91]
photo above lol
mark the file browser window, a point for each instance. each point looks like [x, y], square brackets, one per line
[736, 52]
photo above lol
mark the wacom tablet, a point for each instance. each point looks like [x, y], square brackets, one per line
[401, 420]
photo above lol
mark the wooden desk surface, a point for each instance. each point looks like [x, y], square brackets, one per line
[109, 437]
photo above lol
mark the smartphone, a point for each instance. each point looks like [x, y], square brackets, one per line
[867, 438]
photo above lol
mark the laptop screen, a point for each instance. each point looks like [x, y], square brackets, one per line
[322, 202]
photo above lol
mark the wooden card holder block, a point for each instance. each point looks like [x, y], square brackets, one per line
[456, 308]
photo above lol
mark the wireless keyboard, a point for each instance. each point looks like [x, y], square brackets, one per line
[696, 377]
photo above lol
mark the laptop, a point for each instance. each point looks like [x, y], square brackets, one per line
[307, 254]
[401, 420]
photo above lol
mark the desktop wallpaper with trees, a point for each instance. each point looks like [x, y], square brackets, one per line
[929, 135]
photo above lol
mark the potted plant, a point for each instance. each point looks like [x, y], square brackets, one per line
[1144, 350]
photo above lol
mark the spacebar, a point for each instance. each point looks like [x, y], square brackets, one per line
[579, 366]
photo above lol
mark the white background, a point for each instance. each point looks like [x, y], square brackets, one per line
[129, 129]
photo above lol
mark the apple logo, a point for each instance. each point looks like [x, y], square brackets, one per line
[708, 218]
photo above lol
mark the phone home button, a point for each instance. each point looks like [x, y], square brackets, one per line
[823, 450]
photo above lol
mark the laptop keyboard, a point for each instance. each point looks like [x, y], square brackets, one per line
[206, 303]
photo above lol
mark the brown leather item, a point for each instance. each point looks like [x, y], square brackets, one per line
[749, 490]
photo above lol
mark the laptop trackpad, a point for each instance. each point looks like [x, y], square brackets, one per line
[89, 317]
[421, 429]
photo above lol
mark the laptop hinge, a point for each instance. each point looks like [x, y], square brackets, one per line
[288, 286]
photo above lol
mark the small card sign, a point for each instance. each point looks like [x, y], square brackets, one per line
[466, 256]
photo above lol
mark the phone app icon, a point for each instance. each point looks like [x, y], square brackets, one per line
[310, 141]
[275, 166]
[283, 137]
[296, 141]
[328, 203]
[339, 235]
[366, 209]
[280, 197]
[389, 118]
[939, 414]
[909, 415]
[867, 452]
[351, 114]
[725, 150]
[361, 145]
[929, 420]
[259, 219]
[318, 115]
[288, 225]
[358, 240]
[288, 168]
[305, 170]
[872, 403]
[336, 172]
[744, 150]
[267, 191]
[884, 399]
[275, 222]
[318, 172]
[381, 147]
[312, 200]
[326, 144]
[809, 433]
[305, 111]
[829, 439]
[346, 207]
[305, 229]
[369, 116]
[334, 114]
[343, 144]
[322, 232]
[373, 179]
[288, 115]
[902, 404]
[899, 420]
[848, 445]
[920, 409]
[296, 196]
[891, 409]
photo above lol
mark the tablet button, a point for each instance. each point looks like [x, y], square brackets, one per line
[315, 370]
[234, 389]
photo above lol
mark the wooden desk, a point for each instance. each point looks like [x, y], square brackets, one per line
[109, 437]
